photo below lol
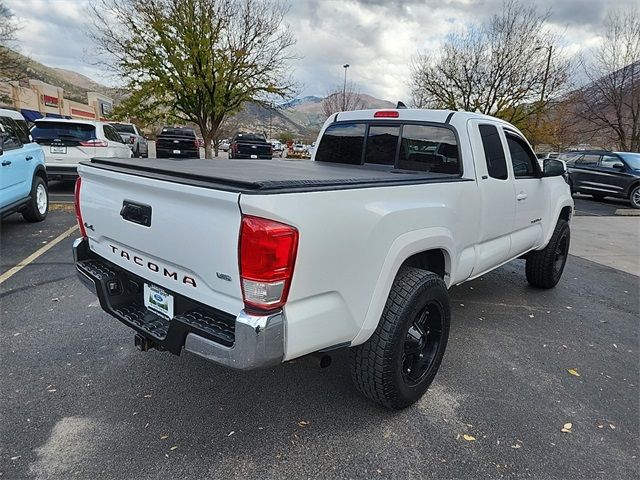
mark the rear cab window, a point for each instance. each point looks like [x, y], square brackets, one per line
[178, 132]
[401, 146]
[123, 128]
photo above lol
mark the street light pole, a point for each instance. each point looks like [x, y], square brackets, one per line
[344, 88]
[544, 88]
[546, 74]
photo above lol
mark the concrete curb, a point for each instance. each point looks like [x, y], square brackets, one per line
[627, 212]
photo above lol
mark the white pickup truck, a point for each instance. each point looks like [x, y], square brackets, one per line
[250, 264]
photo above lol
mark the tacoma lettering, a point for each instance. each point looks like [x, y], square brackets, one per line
[187, 280]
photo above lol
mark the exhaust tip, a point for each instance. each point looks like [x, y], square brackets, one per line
[324, 361]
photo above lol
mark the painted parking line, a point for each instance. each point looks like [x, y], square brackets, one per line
[12, 271]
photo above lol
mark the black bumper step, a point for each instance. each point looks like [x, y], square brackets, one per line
[121, 295]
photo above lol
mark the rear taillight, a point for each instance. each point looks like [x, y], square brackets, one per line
[94, 143]
[76, 201]
[267, 252]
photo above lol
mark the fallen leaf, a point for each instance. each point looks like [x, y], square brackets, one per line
[231, 433]
[173, 448]
[16, 457]
[517, 445]
[569, 308]
[612, 426]
[566, 428]
[303, 423]
[147, 396]
[16, 334]
[163, 437]
[600, 426]
[166, 455]
[56, 299]
[469, 438]
[573, 372]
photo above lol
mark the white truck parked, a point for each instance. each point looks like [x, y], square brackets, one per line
[253, 263]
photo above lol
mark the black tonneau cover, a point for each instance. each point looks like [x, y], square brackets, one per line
[266, 176]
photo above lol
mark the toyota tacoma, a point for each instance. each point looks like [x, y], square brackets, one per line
[251, 264]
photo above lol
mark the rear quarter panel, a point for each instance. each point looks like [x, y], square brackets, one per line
[352, 242]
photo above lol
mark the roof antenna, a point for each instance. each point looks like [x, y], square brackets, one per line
[401, 105]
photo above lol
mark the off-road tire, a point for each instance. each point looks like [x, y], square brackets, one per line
[542, 267]
[31, 212]
[377, 364]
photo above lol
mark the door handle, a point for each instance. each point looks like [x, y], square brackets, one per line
[521, 196]
[6, 162]
[28, 157]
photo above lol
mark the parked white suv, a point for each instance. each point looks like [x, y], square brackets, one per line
[68, 142]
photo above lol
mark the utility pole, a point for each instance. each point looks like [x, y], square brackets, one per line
[546, 74]
[344, 88]
[544, 88]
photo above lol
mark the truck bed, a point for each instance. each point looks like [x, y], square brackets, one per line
[270, 176]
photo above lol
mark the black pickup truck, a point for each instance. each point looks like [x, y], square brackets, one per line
[250, 145]
[177, 142]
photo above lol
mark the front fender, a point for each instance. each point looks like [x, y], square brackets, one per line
[401, 249]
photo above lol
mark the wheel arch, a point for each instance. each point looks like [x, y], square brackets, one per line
[632, 186]
[41, 172]
[430, 248]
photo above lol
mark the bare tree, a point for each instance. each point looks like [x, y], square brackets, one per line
[610, 101]
[197, 61]
[497, 68]
[11, 67]
[341, 99]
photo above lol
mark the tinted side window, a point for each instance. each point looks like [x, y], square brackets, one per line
[23, 131]
[9, 131]
[429, 149]
[608, 161]
[522, 158]
[588, 160]
[382, 143]
[342, 143]
[111, 134]
[493, 152]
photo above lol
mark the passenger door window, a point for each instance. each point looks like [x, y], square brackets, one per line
[588, 160]
[382, 144]
[522, 158]
[608, 161]
[10, 134]
[493, 152]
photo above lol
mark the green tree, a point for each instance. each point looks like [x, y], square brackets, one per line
[194, 61]
[285, 137]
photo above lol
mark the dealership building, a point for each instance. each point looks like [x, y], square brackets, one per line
[38, 99]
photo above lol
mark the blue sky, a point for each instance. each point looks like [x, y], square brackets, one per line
[376, 37]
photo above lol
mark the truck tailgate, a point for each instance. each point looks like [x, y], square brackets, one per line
[190, 246]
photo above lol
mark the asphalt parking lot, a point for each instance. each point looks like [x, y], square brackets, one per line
[79, 401]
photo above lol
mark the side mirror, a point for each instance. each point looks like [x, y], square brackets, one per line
[618, 166]
[553, 168]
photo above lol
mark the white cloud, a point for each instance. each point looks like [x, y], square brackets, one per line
[376, 37]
